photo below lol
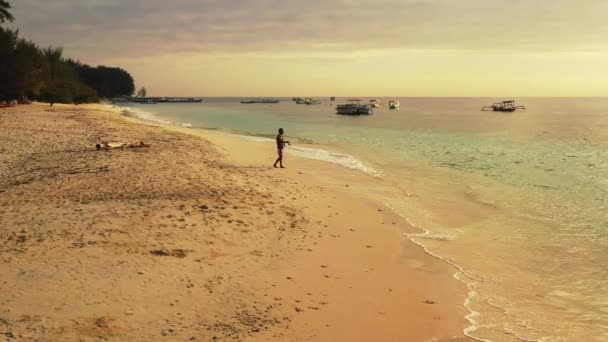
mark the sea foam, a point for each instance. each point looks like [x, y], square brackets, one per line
[461, 275]
[148, 116]
[142, 114]
[432, 236]
[344, 160]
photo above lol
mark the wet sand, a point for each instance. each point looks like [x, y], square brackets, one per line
[199, 238]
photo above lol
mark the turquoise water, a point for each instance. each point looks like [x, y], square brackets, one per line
[516, 200]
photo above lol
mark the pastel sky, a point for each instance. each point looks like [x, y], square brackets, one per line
[335, 47]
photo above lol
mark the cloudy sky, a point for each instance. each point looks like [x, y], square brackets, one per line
[335, 47]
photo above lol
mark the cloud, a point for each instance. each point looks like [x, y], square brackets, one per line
[132, 28]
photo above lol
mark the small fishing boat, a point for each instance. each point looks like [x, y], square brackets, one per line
[308, 101]
[393, 104]
[504, 106]
[183, 99]
[374, 103]
[143, 100]
[261, 101]
[333, 98]
[354, 107]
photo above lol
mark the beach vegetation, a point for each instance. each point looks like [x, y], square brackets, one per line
[5, 15]
[30, 72]
[108, 82]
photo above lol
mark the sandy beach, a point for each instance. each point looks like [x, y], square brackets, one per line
[198, 238]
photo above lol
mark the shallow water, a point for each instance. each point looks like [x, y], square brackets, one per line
[516, 200]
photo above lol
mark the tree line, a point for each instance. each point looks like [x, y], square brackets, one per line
[29, 71]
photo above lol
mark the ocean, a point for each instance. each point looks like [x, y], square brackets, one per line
[517, 202]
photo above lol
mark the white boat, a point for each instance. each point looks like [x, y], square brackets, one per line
[393, 104]
[375, 103]
[311, 101]
[307, 101]
[354, 107]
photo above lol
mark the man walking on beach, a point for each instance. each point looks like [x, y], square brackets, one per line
[280, 146]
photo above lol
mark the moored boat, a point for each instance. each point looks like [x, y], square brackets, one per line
[143, 100]
[183, 99]
[375, 103]
[307, 101]
[310, 101]
[154, 100]
[504, 106]
[354, 107]
[393, 104]
[260, 101]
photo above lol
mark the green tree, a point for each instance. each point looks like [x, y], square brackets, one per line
[8, 42]
[63, 80]
[23, 68]
[58, 91]
[27, 70]
[5, 15]
[30, 70]
[85, 94]
[109, 82]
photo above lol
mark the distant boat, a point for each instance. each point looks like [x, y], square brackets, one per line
[393, 104]
[333, 98]
[354, 107]
[143, 100]
[375, 103]
[120, 100]
[183, 99]
[504, 106]
[261, 101]
[307, 101]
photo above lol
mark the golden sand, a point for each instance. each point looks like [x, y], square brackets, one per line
[198, 238]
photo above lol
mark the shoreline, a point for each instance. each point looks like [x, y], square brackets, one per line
[339, 230]
[324, 153]
[219, 137]
[206, 133]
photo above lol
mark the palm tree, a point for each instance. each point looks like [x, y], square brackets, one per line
[5, 15]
